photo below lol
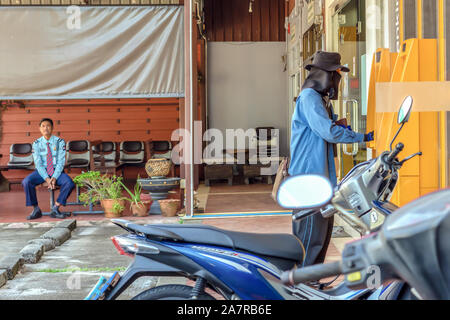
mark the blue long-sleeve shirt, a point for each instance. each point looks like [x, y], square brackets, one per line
[58, 148]
[312, 136]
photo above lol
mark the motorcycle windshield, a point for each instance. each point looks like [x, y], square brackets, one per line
[357, 170]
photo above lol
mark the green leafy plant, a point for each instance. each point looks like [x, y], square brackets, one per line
[135, 197]
[97, 187]
[117, 207]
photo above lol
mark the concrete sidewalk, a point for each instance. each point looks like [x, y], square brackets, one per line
[70, 271]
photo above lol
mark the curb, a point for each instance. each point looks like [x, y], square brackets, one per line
[11, 265]
[3, 277]
[47, 243]
[57, 235]
[32, 253]
[35, 249]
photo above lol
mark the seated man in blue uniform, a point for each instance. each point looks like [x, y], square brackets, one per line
[49, 154]
[315, 133]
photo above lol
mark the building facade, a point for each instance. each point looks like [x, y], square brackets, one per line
[393, 48]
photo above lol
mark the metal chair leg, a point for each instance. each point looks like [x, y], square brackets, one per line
[52, 203]
[78, 203]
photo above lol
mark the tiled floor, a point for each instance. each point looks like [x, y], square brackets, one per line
[221, 198]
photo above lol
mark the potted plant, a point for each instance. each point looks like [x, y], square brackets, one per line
[103, 188]
[138, 206]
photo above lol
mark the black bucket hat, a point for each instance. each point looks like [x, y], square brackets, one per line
[328, 61]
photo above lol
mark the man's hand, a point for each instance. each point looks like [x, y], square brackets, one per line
[369, 137]
[53, 183]
[49, 182]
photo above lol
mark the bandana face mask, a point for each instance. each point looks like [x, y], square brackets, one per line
[324, 82]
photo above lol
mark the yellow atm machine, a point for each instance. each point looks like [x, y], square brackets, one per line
[416, 61]
[382, 67]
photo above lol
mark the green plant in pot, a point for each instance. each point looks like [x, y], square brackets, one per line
[104, 189]
[138, 206]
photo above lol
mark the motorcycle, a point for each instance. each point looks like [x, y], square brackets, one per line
[248, 266]
[413, 246]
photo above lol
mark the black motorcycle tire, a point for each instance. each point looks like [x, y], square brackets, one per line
[171, 292]
[406, 294]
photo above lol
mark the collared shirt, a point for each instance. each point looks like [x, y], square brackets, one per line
[313, 136]
[58, 148]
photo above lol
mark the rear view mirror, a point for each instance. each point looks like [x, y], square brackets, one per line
[405, 110]
[305, 192]
[403, 116]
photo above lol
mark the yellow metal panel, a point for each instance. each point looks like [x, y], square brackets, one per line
[445, 163]
[407, 65]
[410, 137]
[408, 190]
[381, 72]
[386, 124]
[429, 162]
[428, 67]
[420, 19]
[429, 121]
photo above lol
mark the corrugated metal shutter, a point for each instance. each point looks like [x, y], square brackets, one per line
[86, 2]
[430, 20]
[409, 19]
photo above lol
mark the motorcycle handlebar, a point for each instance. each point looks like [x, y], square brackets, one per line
[311, 273]
[394, 153]
[303, 214]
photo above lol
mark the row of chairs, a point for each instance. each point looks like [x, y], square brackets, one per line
[92, 155]
[86, 154]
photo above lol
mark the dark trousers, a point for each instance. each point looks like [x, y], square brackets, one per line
[34, 179]
[315, 234]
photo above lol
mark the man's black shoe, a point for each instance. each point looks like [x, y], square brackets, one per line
[57, 214]
[36, 214]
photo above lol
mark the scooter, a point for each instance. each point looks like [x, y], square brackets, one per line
[245, 265]
[412, 246]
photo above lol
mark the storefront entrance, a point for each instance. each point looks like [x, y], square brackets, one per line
[349, 40]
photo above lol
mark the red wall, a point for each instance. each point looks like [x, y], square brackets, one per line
[230, 20]
[109, 120]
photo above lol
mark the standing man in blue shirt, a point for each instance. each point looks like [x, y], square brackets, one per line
[49, 154]
[313, 144]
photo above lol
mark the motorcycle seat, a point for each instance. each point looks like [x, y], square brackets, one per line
[283, 246]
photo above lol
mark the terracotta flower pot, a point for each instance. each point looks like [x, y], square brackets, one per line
[169, 207]
[141, 209]
[108, 205]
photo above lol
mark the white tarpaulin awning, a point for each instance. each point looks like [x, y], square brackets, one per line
[117, 52]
